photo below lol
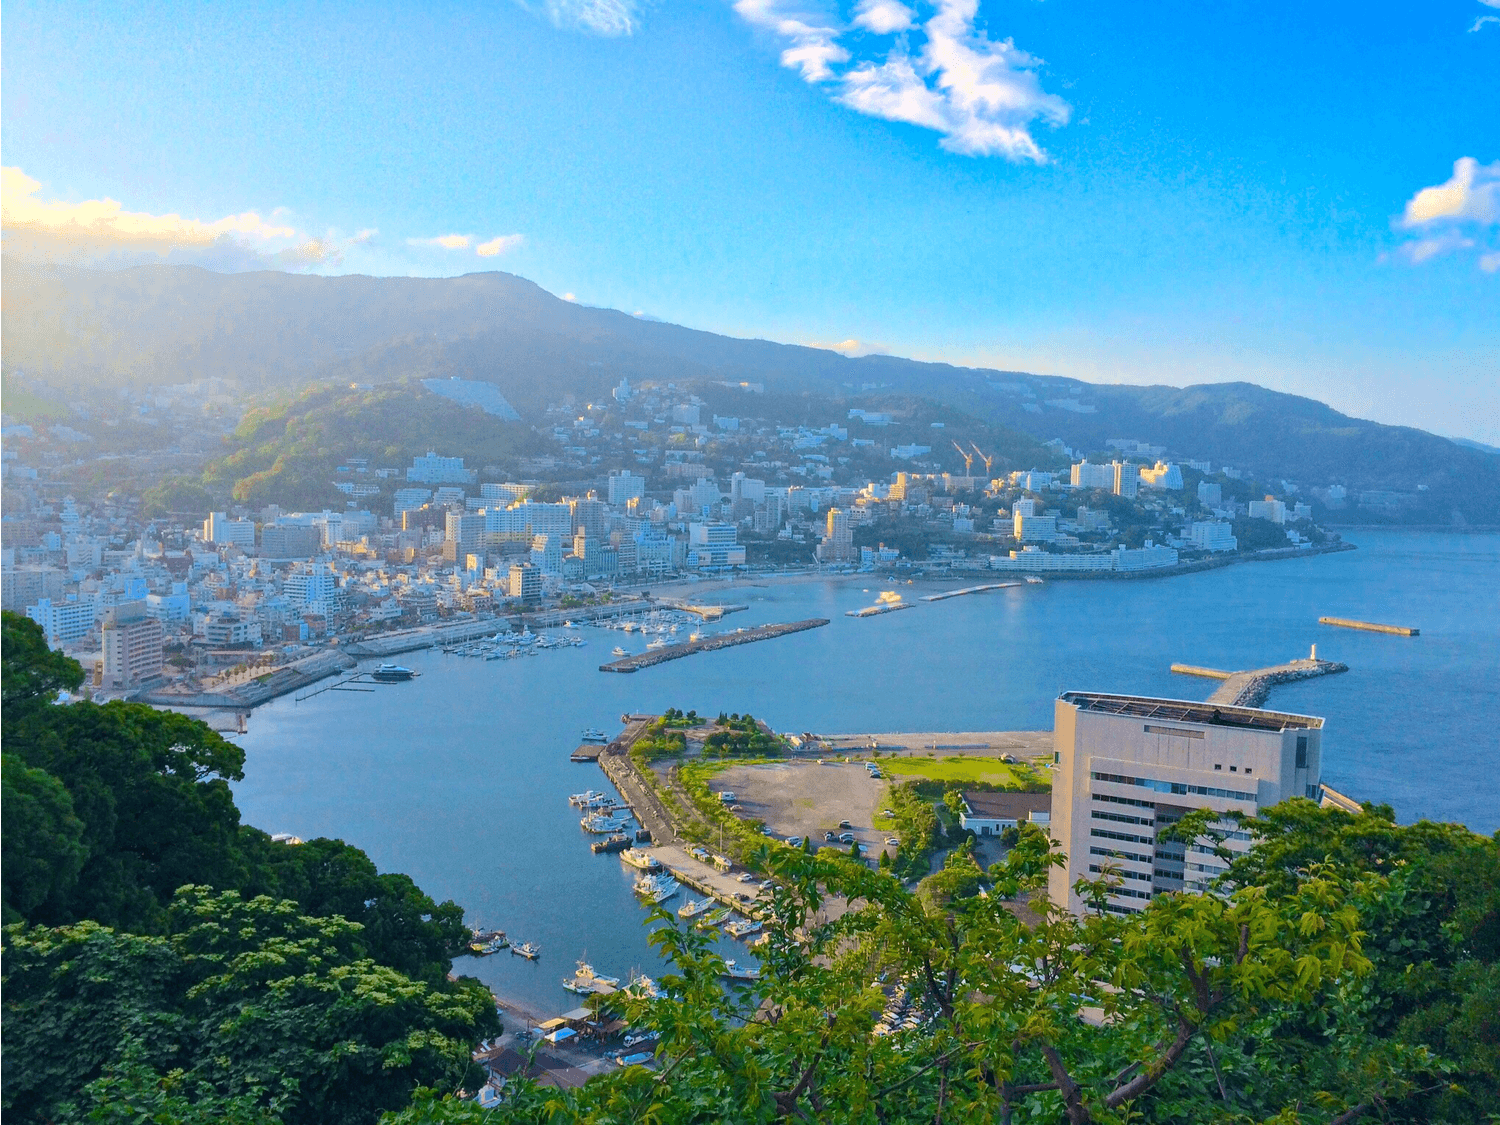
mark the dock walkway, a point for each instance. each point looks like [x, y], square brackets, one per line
[709, 644]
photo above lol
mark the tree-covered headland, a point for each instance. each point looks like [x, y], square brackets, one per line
[164, 963]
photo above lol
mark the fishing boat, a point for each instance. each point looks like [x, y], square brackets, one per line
[601, 824]
[594, 734]
[656, 889]
[637, 858]
[691, 909]
[486, 942]
[743, 928]
[586, 982]
[587, 799]
[740, 972]
[714, 919]
[527, 949]
[391, 674]
[616, 843]
[644, 988]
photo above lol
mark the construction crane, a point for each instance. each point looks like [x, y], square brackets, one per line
[968, 460]
[988, 461]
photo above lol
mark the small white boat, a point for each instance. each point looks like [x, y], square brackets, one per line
[742, 928]
[656, 889]
[594, 734]
[527, 949]
[737, 972]
[618, 651]
[586, 982]
[691, 908]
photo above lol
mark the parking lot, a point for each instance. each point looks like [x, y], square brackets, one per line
[803, 798]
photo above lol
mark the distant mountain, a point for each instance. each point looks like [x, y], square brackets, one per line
[148, 326]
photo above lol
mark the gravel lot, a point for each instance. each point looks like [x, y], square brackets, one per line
[800, 798]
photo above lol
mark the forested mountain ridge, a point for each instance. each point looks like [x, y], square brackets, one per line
[72, 327]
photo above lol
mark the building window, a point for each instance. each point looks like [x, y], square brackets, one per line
[1174, 786]
[1217, 766]
[1302, 751]
[1234, 769]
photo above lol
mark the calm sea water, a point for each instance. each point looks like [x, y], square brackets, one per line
[461, 777]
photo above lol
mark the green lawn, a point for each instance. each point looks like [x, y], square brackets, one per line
[958, 769]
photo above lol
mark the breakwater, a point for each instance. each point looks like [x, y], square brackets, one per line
[946, 594]
[710, 644]
[1250, 689]
[279, 681]
[1370, 626]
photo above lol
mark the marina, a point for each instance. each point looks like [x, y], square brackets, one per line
[711, 644]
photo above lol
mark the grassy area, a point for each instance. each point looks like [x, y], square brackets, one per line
[963, 769]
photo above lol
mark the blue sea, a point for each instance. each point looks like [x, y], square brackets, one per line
[460, 778]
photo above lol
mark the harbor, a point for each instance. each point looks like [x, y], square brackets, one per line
[661, 655]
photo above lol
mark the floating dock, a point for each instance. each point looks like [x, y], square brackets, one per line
[1370, 626]
[968, 590]
[709, 644]
[588, 752]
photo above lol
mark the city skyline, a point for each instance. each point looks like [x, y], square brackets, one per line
[1309, 201]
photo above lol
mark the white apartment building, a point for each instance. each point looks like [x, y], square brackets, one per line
[1213, 535]
[625, 486]
[63, 621]
[1210, 494]
[1164, 475]
[432, 469]
[1086, 475]
[132, 646]
[220, 529]
[1127, 767]
[1268, 509]
[1035, 529]
[1126, 479]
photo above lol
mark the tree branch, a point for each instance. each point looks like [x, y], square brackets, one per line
[1078, 1113]
[1152, 1074]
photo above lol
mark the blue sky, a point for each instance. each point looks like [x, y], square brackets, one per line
[1305, 196]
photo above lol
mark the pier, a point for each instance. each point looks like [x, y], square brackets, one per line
[1250, 689]
[968, 590]
[710, 644]
[1370, 626]
[707, 612]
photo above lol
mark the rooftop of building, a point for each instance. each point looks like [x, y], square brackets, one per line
[1188, 711]
[1004, 805]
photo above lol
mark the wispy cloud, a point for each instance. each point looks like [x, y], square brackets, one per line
[1460, 214]
[943, 73]
[102, 231]
[1482, 20]
[500, 245]
[609, 18]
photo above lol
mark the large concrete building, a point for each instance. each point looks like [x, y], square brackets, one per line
[1128, 767]
[133, 644]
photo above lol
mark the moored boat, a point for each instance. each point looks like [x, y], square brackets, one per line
[637, 858]
[691, 909]
[391, 674]
[527, 949]
[734, 971]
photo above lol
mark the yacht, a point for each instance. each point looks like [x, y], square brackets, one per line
[656, 643]
[527, 949]
[637, 858]
[618, 651]
[391, 674]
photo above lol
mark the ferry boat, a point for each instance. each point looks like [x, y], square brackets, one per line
[527, 949]
[743, 928]
[391, 674]
[585, 982]
[637, 858]
[737, 972]
[691, 909]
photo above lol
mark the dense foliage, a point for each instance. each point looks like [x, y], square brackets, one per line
[120, 838]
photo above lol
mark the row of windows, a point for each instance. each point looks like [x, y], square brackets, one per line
[1108, 835]
[1123, 818]
[1175, 875]
[1123, 874]
[1205, 868]
[1108, 854]
[1116, 908]
[1124, 801]
[1173, 786]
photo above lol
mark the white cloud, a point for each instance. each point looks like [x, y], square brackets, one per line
[946, 74]
[1482, 20]
[609, 18]
[1473, 193]
[443, 241]
[884, 17]
[102, 232]
[1462, 213]
[500, 245]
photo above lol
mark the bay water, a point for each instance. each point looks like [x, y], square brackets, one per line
[460, 778]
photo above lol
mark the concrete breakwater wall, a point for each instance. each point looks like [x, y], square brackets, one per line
[709, 644]
[1250, 689]
[290, 678]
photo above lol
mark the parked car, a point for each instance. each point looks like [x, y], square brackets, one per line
[846, 838]
[893, 842]
[845, 824]
[829, 836]
[888, 812]
[794, 841]
[745, 877]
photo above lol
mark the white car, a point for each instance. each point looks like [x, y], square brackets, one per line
[893, 842]
[745, 877]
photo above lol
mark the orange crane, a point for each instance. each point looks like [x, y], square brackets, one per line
[968, 459]
[988, 461]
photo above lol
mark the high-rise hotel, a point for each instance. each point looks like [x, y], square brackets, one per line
[1127, 767]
